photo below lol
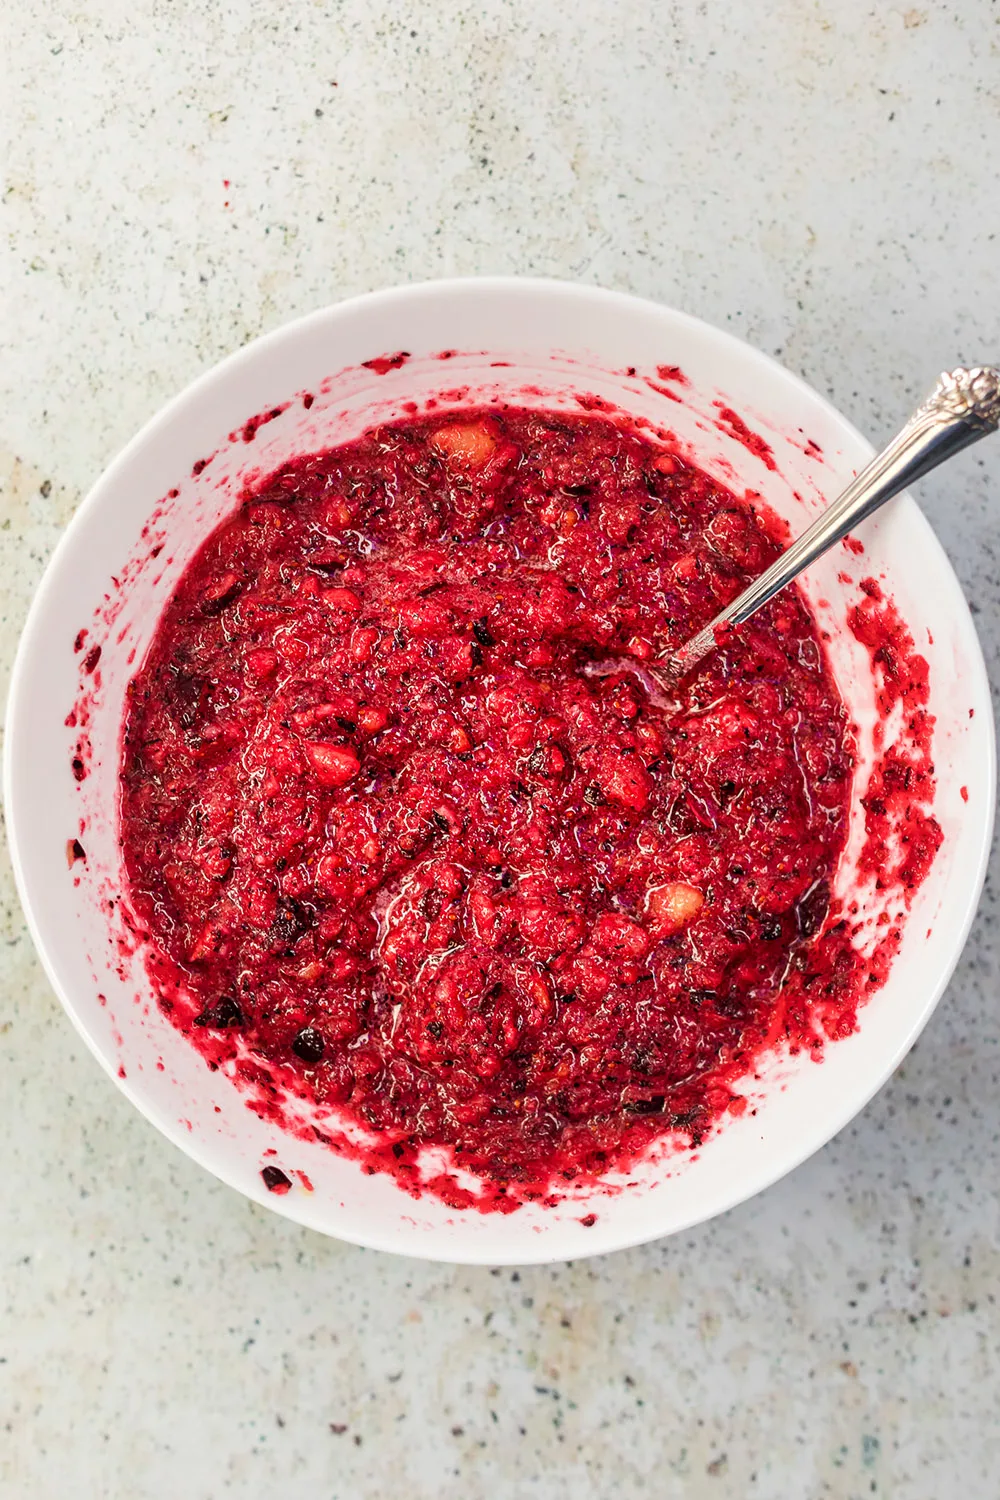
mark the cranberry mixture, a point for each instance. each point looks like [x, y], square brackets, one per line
[398, 847]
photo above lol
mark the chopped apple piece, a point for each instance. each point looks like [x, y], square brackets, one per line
[335, 765]
[672, 906]
[470, 445]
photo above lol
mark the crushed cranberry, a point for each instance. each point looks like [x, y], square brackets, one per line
[401, 849]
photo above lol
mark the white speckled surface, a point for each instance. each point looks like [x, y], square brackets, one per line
[819, 177]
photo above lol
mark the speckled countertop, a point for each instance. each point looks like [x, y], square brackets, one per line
[179, 177]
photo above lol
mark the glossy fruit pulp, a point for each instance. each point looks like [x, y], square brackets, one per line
[398, 847]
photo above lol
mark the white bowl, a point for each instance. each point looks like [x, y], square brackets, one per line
[556, 339]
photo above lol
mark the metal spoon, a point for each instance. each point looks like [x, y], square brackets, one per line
[963, 407]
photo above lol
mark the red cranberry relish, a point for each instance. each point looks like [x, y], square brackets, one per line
[396, 842]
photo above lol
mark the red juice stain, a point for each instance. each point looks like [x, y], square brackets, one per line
[854, 545]
[252, 426]
[386, 362]
[733, 424]
[965, 793]
[672, 373]
[663, 390]
[81, 636]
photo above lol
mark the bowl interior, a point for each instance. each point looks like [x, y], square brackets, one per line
[536, 344]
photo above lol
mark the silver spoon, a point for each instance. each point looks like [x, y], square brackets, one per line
[963, 407]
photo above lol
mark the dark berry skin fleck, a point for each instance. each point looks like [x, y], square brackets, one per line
[463, 891]
[275, 1180]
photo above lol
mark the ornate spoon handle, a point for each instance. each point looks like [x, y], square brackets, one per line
[963, 407]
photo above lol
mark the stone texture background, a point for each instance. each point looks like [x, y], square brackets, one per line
[817, 175]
